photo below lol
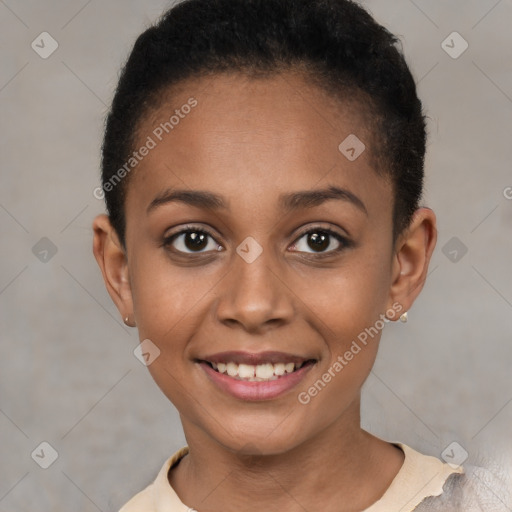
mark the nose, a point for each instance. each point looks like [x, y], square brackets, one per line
[254, 295]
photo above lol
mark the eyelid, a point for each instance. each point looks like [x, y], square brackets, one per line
[329, 228]
[190, 227]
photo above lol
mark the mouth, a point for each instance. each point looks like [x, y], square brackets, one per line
[257, 373]
[260, 376]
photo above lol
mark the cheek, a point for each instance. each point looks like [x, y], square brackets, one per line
[351, 298]
[350, 309]
[170, 303]
[166, 298]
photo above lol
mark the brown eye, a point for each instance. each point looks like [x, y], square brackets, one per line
[320, 241]
[192, 240]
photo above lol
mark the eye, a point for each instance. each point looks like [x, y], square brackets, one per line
[192, 240]
[321, 241]
[198, 240]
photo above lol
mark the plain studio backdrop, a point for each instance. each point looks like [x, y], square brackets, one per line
[68, 374]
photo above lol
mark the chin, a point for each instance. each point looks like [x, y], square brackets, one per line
[258, 441]
[258, 446]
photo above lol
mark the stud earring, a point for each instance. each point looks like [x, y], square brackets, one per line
[403, 317]
[127, 322]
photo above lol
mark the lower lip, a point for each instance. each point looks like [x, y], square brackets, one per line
[252, 390]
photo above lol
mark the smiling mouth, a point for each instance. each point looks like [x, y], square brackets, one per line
[257, 373]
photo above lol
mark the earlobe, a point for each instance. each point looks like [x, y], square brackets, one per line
[111, 258]
[411, 259]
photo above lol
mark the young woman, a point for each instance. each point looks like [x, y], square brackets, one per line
[262, 171]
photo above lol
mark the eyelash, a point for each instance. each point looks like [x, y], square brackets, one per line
[344, 242]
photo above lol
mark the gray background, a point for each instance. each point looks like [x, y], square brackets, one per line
[68, 375]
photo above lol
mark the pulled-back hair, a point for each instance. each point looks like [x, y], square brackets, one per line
[335, 44]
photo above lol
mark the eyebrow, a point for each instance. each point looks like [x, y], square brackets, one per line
[288, 202]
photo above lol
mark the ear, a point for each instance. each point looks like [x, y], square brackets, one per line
[111, 258]
[411, 258]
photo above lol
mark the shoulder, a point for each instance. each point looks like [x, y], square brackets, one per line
[159, 495]
[141, 502]
[421, 476]
[427, 484]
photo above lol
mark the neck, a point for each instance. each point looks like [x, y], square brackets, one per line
[341, 468]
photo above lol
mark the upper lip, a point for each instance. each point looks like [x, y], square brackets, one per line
[252, 358]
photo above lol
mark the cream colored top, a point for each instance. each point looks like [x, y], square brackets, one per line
[419, 477]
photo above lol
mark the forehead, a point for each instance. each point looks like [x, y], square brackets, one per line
[250, 138]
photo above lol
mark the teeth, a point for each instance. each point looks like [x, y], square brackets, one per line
[232, 369]
[245, 371]
[279, 369]
[257, 373]
[264, 371]
[288, 368]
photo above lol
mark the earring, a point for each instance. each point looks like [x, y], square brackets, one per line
[127, 322]
[403, 317]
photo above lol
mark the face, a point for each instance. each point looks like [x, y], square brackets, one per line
[273, 274]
